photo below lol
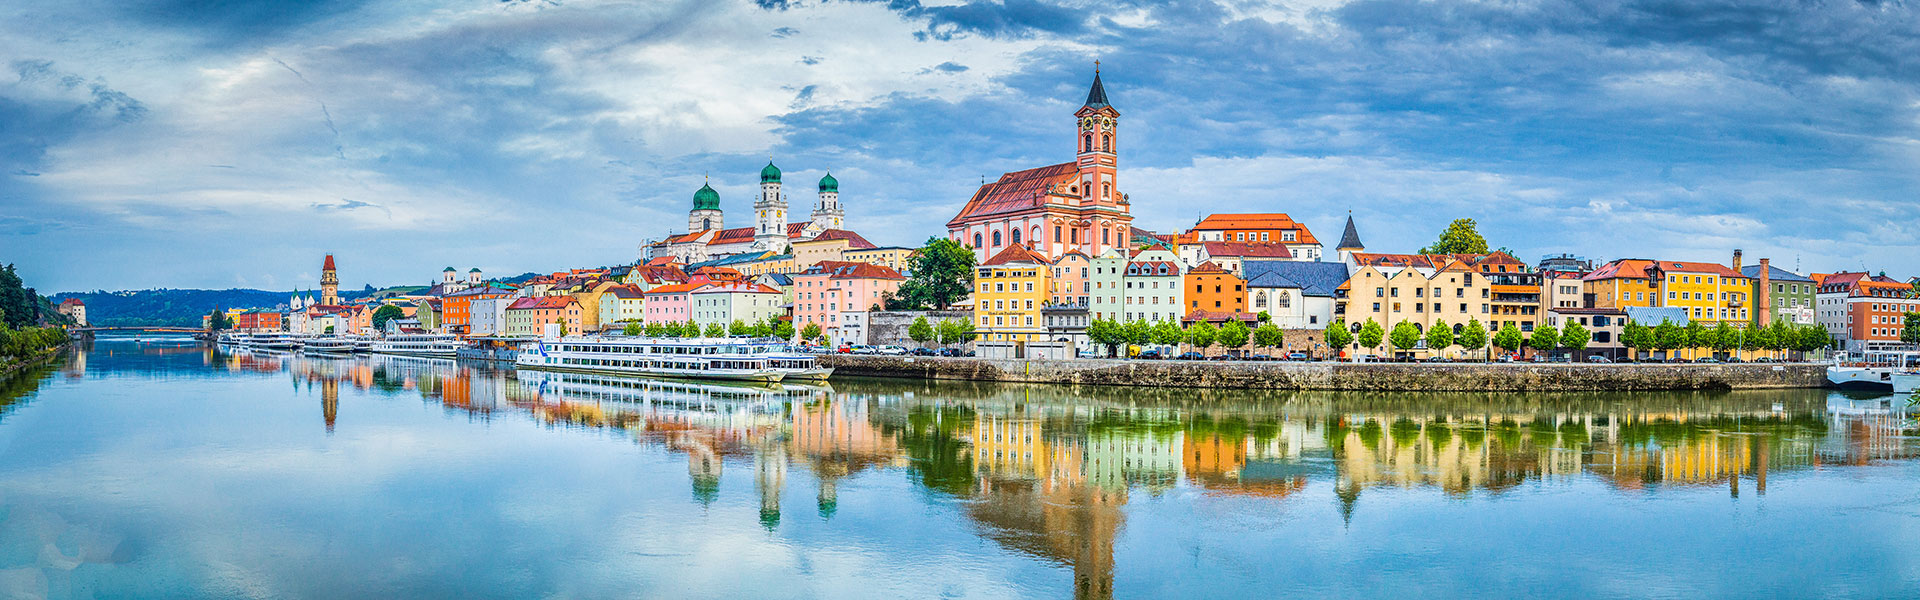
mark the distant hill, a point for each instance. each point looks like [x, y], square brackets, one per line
[180, 308]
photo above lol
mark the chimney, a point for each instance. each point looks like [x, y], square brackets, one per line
[1763, 301]
[1736, 259]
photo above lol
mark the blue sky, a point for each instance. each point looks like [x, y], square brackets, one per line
[177, 143]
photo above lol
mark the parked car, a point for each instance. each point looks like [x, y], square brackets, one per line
[891, 351]
[1260, 357]
[1191, 356]
[1735, 359]
[1706, 360]
[1766, 359]
[967, 353]
[1148, 355]
[1560, 359]
[1599, 359]
[920, 352]
[1299, 356]
[1220, 357]
[1438, 359]
[845, 350]
[948, 352]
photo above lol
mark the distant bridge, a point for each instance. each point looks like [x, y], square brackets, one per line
[155, 329]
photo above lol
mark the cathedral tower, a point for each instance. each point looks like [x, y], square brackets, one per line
[827, 214]
[706, 211]
[329, 283]
[770, 212]
[1097, 143]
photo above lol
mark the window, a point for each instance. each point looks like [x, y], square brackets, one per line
[1016, 238]
[1086, 143]
[1106, 142]
[976, 241]
[1056, 234]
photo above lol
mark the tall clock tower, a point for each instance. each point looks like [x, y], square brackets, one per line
[1096, 144]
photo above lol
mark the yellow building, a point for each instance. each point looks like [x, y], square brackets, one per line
[1623, 283]
[1009, 290]
[1710, 293]
[892, 257]
[772, 263]
[831, 245]
[1417, 288]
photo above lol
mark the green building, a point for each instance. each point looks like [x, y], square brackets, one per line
[1786, 295]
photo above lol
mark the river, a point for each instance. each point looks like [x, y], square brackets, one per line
[171, 470]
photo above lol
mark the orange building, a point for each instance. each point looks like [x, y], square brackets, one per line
[456, 309]
[1211, 288]
[1255, 227]
[1623, 283]
[257, 320]
[530, 316]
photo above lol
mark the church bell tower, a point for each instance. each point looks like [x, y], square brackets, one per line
[1096, 144]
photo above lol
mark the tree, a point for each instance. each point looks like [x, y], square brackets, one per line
[920, 331]
[1201, 334]
[942, 274]
[690, 329]
[1636, 337]
[1167, 333]
[715, 330]
[1371, 333]
[1508, 339]
[1338, 336]
[1439, 337]
[19, 304]
[563, 326]
[1726, 338]
[1460, 237]
[1473, 336]
[1575, 336]
[1545, 339]
[1269, 336]
[1105, 333]
[738, 327]
[1811, 338]
[386, 312]
[1668, 337]
[1138, 333]
[782, 329]
[812, 333]
[1263, 317]
[1405, 336]
[1233, 334]
[633, 330]
[1910, 330]
[218, 321]
[1762, 338]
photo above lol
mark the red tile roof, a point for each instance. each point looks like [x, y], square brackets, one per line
[835, 269]
[1251, 221]
[1249, 249]
[853, 239]
[1017, 191]
[1015, 254]
[1207, 268]
[329, 265]
[541, 302]
[1625, 268]
[1698, 267]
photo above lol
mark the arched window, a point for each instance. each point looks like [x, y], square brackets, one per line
[1284, 300]
[1086, 143]
[1106, 190]
[1260, 300]
[1036, 235]
[1106, 142]
[706, 224]
[996, 239]
[976, 241]
[1056, 234]
[1016, 237]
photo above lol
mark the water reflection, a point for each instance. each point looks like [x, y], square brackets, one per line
[1048, 472]
[1054, 474]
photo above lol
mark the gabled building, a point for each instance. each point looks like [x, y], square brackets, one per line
[528, 317]
[1710, 292]
[828, 290]
[1075, 205]
[1295, 294]
[1256, 228]
[1010, 289]
[1779, 294]
[1229, 255]
[1213, 289]
[1863, 312]
[1623, 283]
[726, 302]
[1070, 285]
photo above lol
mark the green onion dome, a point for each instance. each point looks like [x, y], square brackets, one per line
[829, 184]
[706, 199]
[770, 174]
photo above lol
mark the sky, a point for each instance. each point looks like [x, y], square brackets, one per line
[193, 144]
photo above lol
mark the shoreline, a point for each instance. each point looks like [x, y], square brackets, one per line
[1332, 376]
[10, 370]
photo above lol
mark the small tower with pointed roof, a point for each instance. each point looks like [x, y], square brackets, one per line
[706, 213]
[827, 214]
[1349, 242]
[329, 283]
[770, 212]
[1097, 145]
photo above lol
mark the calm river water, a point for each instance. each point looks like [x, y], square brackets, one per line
[176, 471]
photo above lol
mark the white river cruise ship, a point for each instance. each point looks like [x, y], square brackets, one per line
[697, 358]
[428, 345]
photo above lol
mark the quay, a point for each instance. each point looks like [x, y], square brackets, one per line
[1338, 376]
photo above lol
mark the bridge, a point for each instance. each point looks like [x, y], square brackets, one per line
[154, 329]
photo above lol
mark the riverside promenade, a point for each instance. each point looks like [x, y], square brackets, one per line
[1406, 377]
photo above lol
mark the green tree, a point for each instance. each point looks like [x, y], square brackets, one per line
[1575, 336]
[1635, 337]
[738, 327]
[1698, 336]
[1200, 334]
[690, 329]
[1233, 334]
[1473, 336]
[1545, 339]
[1439, 337]
[19, 304]
[1405, 336]
[1509, 338]
[1103, 332]
[1338, 336]
[812, 333]
[1910, 329]
[1668, 337]
[563, 326]
[1167, 333]
[1371, 334]
[633, 330]
[714, 330]
[1263, 317]
[1762, 338]
[386, 312]
[1269, 336]
[1811, 338]
[1138, 333]
[1461, 237]
[782, 329]
[1727, 338]
[920, 331]
[942, 274]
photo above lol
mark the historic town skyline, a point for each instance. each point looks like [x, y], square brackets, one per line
[164, 147]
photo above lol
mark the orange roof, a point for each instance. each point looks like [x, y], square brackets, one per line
[835, 269]
[853, 239]
[1625, 268]
[1698, 267]
[329, 265]
[1014, 254]
[541, 302]
[1207, 268]
[1254, 221]
[730, 287]
[1018, 191]
[678, 288]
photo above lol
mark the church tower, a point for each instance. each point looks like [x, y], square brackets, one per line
[329, 284]
[706, 211]
[1097, 142]
[827, 214]
[770, 212]
[1350, 243]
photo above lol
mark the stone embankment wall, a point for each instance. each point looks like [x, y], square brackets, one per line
[1452, 377]
[8, 369]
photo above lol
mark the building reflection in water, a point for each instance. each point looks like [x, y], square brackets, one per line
[1048, 472]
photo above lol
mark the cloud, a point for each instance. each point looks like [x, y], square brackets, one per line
[348, 205]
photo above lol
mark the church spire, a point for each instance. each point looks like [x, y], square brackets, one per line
[1350, 239]
[1097, 96]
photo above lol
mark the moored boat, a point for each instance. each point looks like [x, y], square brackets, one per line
[679, 358]
[428, 345]
[329, 345]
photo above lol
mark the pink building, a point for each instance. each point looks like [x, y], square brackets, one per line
[829, 287]
[1069, 284]
[669, 303]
